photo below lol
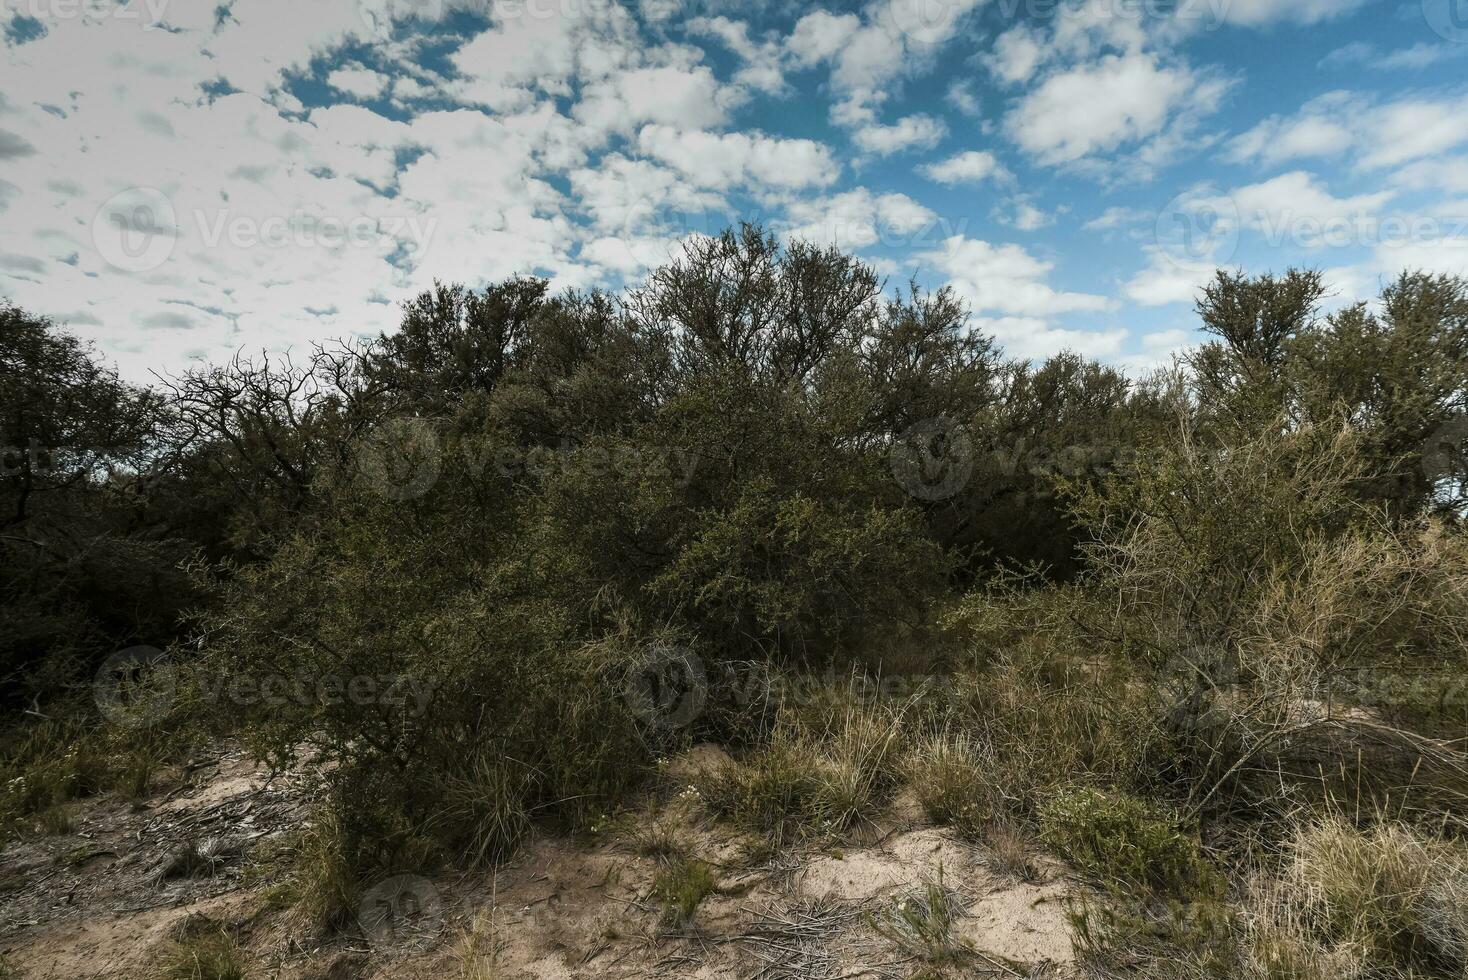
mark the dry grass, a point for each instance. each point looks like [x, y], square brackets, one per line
[207, 952]
[822, 771]
[1388, 901]
[1009, 850]
[951, 775]
[479, 948]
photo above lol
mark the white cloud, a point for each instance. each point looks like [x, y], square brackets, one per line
[686, 97]
[1165, 281]
[726, 160]
[1444, 173]
[632, 196]
[1416, 58]
[1017, 55]
[1117, 217]
[860, 219]
[1410, 128]
[1032, 338]
[908, 133]
[969, 167]
[1258, 13]
[1295, 209]
[763, 61]
[1004, 279]
[1101, 107]
[1376, 134]
[961, 96]
[868, 55]
[1024, 216]
[361, 82]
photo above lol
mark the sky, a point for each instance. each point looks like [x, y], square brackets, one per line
[182, 179]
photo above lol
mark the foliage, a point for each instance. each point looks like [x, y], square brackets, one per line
[1126, 842]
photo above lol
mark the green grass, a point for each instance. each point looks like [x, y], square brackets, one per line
[680, 886]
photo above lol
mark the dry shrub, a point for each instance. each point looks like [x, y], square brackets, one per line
[1266, 614]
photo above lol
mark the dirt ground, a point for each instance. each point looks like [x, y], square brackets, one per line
[109, 898]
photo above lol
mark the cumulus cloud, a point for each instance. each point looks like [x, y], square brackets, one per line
[727, 160]
[969, 167]
[1374, 133]
[918, 132]
[361, 82]
[1117, 101]
[1004, 279]
[859, 219]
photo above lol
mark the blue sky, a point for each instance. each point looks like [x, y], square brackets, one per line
[181, 179]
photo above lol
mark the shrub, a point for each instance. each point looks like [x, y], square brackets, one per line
[1126, 843]
[825, 767]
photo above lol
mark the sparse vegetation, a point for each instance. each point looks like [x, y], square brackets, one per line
[921, 925]
[680, 886]
[205, 951]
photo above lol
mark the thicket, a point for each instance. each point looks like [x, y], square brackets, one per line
[492, 565]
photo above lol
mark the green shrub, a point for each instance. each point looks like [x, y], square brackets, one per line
[1127, 843]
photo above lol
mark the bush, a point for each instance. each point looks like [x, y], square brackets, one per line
[1127, 843]
[951, 776]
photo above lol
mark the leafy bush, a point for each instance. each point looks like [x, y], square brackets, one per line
[1126, 842]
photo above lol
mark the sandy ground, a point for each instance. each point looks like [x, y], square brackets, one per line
[108, 899]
